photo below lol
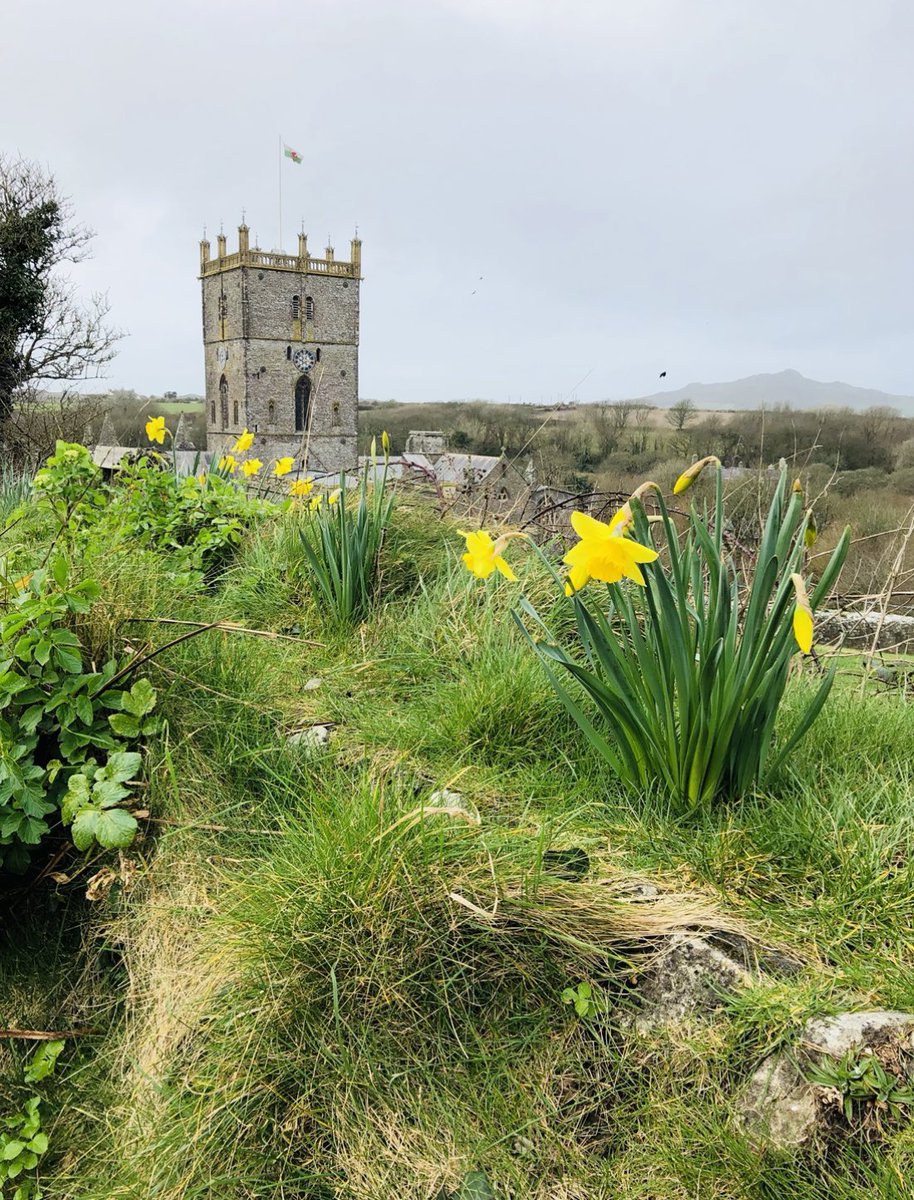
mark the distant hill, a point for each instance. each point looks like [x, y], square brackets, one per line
[783, 388]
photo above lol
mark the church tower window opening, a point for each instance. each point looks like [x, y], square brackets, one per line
[302, 402]
[223, 401]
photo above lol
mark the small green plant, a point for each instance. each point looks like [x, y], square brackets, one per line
[342, 544]
[863, 1083]
[64, 730]
[22, 1140]
[91, 804]
[583, 999]
[686, 673]
[72, 487]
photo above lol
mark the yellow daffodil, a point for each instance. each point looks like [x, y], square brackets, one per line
[802, 615]
[603, 553]
[228, 462]
[301, 487]
[333, 497]
[201, 478]
[812, 530]
[316, 502]
[688, 477]
[155, 429]
[244, 443]
[483, 556]
[251, 467]
[283, 466]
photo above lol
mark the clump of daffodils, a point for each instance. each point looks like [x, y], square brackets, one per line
[678, 664]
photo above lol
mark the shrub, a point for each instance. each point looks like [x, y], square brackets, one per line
[64, 729]
[867, 479]
[687, 675]
[200, 519]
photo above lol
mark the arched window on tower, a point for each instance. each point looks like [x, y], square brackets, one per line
[212, 410]
[309, 308]
[272, 413]
[296, 308]
[235, 413]
[223, 401]
[302, 401]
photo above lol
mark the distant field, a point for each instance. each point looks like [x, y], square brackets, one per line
[178, 406]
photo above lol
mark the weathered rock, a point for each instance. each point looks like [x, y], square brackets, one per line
[313, 684]
[690, 979]
[895, 631]
[311, 738]
[446, 798]
[780, 1109]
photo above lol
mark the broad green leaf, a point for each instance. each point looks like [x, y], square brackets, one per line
[141, 698]
[84, 826]
[42, 1064]
[124, 725]
[121, 766]
[115, 828]
[107, 793]
[475, 1186]
[67, 660]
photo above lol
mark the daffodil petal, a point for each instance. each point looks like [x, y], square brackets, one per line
[802, 629]
[586, 526]
[504, 568]
[638, 553]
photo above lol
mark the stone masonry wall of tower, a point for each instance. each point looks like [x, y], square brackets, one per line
[280, 336]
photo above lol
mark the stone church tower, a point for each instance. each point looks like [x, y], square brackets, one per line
[281, 344]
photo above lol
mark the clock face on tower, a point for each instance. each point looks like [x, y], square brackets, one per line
[303, 359]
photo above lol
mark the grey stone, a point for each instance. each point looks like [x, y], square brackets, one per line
[691, 978]
[313, 684]
[446, 798]
[311, 738]
[858, 629]
[780, 1109]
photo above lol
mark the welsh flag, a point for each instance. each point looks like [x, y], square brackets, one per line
[290, 153]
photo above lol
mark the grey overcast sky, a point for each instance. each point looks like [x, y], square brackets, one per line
[713, 188]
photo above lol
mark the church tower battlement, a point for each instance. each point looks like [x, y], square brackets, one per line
[281, 349]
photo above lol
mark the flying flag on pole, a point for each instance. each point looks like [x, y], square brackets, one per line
[290, 153]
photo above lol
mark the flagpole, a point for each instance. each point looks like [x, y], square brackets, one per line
[280, 193]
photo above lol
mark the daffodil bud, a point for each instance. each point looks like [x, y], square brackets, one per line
[802, 615]
[688, 477]
[385, 442]
[625, 517]
[797, 487]
[812, 531]
[374, 447]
